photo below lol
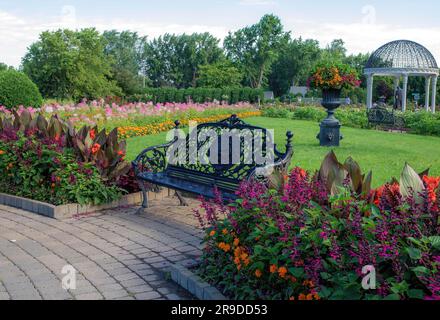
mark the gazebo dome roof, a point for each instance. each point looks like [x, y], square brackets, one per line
[402, 54]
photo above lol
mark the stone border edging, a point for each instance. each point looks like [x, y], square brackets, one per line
[194, 284]
[66, 211]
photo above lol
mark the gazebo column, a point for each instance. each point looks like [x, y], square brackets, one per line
[396, 85]
[427, 93]
[370, 80]
[405, 92]
[434, 93]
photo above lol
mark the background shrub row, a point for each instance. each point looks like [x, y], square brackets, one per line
[198, 95]
[420, 122]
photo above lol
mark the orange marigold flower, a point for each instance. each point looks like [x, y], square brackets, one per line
[212, 233]
[316, 296]
[273, 268]
[96, 147]
[237, 261]
[258, 273]
[225, 231]
[2, 152]
[302, 296]
[309, 297]
[282, 272]
[236, 242]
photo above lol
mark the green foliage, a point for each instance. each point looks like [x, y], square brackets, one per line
[4, 67]
[58, 163]
[219, 75]
[174, 60]
[42, 171]
[294, 65]
[302, 243]
[126, 50]
[335, 176]
[199, 95]
[17, 89]
[255, 48]
[69, 64]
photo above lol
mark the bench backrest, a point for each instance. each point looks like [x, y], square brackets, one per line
[380, 115]
[225, 153]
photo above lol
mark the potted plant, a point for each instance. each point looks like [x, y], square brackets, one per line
[331, 78]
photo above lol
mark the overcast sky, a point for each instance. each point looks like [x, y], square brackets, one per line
[363, 25]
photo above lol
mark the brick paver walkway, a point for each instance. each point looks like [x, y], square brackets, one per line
[117, 254]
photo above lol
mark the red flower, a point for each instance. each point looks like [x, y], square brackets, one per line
[96, 147]
[92, 134]
[432, 184]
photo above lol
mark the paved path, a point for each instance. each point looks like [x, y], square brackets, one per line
[117, 254]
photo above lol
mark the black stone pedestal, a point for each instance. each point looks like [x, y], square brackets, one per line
[330, 135]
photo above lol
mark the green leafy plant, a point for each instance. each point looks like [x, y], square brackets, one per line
[336, 175]
[16, 89]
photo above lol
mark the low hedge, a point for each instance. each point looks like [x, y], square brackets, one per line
[198, 95]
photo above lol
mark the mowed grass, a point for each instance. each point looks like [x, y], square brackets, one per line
[382, 152]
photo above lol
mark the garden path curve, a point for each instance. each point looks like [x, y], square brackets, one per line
[116, 254]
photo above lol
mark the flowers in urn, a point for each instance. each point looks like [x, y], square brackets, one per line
[333, 75]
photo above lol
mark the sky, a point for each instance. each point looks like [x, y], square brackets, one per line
[363, 25]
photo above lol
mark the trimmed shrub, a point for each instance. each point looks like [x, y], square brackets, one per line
[17, 89]
[198, 95]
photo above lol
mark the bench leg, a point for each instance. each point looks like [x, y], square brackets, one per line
[182, 200]
[144, 197]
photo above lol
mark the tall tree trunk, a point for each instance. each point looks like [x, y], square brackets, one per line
[260, 77]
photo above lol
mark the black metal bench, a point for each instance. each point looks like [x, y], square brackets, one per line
[388, 119]
[200, 177]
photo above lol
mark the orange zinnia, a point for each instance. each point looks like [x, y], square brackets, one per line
[282, 272]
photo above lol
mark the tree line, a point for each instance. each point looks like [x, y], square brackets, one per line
[68, 64]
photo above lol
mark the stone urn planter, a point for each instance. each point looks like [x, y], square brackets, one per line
[330, 135]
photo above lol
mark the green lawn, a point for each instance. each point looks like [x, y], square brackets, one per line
[384, 153]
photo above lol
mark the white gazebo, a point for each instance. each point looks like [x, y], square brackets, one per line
[402, 59]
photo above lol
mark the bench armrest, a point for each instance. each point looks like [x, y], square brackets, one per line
[282, 164]
[153, 159]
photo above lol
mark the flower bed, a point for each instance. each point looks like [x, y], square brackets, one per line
[112, 115]
[311, 237]
[52, 162]
[136, 131]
